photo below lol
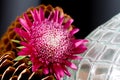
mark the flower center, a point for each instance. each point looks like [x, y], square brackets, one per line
[51, 41]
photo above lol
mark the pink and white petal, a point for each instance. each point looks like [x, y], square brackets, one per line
[66, 71]
[80, 49]
[57, 76]
[57, 68]
[79, 42]
[27, 20]
[25, 44]
[22, 53]
[56, 71]
[34, 14]
[22, 33]
[51, 15]
[41, 12]
[60, 21]
[24, 24]
[71, 65]
[74, 31]
[68, 23]
[35, 67]
[60, 69]
[75, 57]
[56, 16]
[45, 70]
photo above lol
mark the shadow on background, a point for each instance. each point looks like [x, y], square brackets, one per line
[87, 14]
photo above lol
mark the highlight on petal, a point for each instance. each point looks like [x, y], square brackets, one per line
[71, 65]
[79, 42]
[60, 21]
[74, 31]
[66, 71]
[35, 67]
[35, 15]
[26, 51]
[56, 16]
[22, 33]
[80, 49]
[69, 22]
[45, 70]
[24, 24]
[75, 57]
[27, 20]
[41, 13]
[58, 70]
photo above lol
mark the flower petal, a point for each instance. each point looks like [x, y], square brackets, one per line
[80, 49]
[35, 67]
[45, 70]
[71, 65]
[22, 53]
[22, 33]
[66, 71]
[74, 31]
[68, 23]
[27, 20]
[58, 69]
[56, 16]
[60, 21]
[79, 42]
[24, 24]
[41, 12]
[51, 15]
[75, 57]
[35, 15]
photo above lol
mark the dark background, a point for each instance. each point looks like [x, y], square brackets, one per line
[87, 14]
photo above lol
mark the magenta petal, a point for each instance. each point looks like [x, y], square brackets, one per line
[50, 16]
[75, 57]
[67, 25]
[27, 20]
[22, 53]
[35, 67]
[22, 33]
[79, 42]
[71, 65]
[41, 12]
[45, 70]
[57, 76]
[56, 16]
[35, 15]
[24, 44]
[66, 71]
[74, 31]
[58, 69]
[24, 24]
[80, 49]
[60, 21]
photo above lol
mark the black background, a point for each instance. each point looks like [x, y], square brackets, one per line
[87, 14]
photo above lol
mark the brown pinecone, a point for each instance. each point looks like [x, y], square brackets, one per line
[7, 45]
[19, 70]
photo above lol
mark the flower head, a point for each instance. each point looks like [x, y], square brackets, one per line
[49, 43]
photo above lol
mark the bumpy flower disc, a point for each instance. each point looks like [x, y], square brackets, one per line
[49, 43]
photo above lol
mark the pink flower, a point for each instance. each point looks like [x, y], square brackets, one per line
[50, 44]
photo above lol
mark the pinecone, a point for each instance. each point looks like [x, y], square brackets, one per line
[6, 43]
[19, 70]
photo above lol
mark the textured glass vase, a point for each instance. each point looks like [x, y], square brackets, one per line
[102, 59]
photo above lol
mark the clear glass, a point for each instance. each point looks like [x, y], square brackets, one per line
[102, 59]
